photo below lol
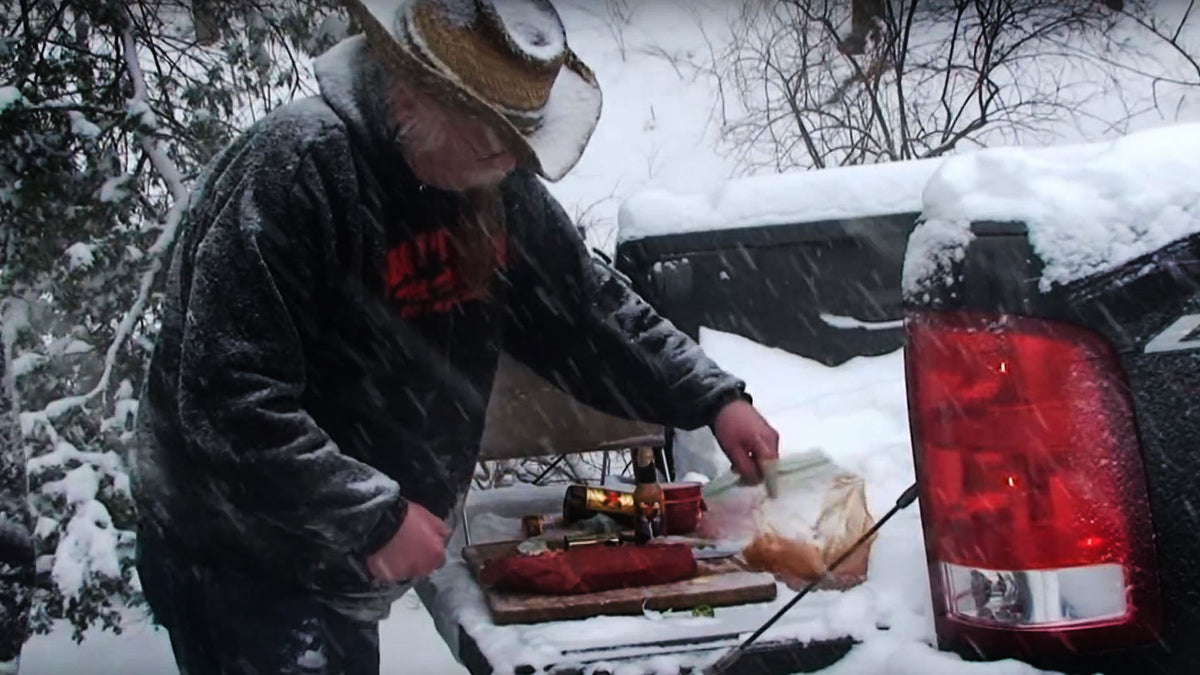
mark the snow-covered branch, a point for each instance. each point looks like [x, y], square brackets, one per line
[158, 158]
[134, 134]
[170, 174]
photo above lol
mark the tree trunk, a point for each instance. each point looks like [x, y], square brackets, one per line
[864, 15]
[205, 22]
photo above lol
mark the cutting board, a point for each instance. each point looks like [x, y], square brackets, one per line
[720, 583]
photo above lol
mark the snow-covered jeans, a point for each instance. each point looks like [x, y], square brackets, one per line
[222, 623]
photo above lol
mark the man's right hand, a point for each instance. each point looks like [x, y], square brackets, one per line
[416, 550]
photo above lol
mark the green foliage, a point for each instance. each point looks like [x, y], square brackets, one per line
[108, 113]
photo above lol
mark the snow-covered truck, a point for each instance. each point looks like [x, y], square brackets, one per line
[1047, 305]
[1051, 303]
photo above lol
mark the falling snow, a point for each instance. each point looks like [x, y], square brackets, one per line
[856, 414]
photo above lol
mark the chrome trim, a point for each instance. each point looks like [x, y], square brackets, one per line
[1036, 598]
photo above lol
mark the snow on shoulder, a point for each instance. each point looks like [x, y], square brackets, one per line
[1088, 208]
[778, 199]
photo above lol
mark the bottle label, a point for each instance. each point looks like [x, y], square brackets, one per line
[609, 501]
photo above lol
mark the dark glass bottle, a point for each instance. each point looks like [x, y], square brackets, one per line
[648, 499]
[644, 470]
[582, 502]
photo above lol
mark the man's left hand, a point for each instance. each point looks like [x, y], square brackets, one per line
[747, 439]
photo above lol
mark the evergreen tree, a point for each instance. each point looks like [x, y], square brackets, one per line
[108, 112]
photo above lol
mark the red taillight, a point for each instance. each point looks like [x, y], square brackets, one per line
[1033, 497]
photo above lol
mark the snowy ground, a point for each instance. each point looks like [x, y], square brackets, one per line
[408, 644]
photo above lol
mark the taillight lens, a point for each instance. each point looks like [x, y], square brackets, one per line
[1033, 496]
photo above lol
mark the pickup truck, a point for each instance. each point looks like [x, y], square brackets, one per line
[1051, 422]
[1052, 377]
[1053, 414]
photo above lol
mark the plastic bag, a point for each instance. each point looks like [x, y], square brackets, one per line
[821, 511]
[844, 519]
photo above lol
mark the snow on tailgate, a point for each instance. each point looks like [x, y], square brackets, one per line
[797, 197]
[857, 415]
[1089, 208]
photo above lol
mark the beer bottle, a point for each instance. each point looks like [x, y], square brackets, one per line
[582, 502]
[648, 499]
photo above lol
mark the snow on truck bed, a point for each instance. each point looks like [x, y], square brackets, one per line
[495, 516]
[1089, 208]
[797, 197]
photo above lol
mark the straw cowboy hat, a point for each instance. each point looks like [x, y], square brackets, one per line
[505, 60]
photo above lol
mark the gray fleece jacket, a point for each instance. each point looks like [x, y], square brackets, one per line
[321, 365]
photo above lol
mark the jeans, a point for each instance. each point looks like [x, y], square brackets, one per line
[224, 623]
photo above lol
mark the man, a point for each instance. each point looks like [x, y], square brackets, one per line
[344, 280]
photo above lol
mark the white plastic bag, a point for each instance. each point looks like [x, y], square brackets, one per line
[821, 511]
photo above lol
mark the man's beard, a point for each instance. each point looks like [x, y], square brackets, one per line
[478, 236]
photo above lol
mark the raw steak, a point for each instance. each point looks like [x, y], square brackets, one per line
[591, 569]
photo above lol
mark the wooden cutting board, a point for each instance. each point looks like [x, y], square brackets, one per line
[720, 583]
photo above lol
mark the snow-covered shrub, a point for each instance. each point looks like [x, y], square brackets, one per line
[108, 111]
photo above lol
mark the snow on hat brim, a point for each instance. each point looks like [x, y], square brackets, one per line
[567, 120]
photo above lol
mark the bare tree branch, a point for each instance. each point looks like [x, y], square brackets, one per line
[932, 75]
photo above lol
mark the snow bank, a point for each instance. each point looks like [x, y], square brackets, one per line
[856, 412]
[1089, 208]
[800, 197]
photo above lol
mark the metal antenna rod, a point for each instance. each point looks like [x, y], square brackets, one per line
[731, 657]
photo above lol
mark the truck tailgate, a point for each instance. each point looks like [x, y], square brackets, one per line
[656, 643]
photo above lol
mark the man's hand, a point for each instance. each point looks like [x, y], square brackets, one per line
[747, 439]
[416, 550]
